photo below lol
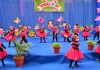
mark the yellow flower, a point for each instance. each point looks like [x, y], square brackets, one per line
[31, 34]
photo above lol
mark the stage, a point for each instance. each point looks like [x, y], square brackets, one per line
[42, 57]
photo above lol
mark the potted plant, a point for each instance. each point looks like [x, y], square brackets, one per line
[91, 44]
[21, 49]
[56, 47]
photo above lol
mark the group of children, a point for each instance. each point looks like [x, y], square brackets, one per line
[74, 54]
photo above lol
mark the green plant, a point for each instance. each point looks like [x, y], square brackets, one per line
[56, 44]
[91, 42]
[21, 48]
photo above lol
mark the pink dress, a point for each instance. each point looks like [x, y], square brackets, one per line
[97, 29]
[10, 36]
[66, 33]
[74, 53]
[23, 34]
[76, 30]
[55, 30]
[3, 53]
[42, 34]
[98, 49]
[38, 32]
[85, 32]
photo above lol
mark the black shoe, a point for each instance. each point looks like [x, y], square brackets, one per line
[98, 60]
[70, 66]
[77, 65]
[3, 64]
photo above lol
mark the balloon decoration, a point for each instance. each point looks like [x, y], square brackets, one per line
[60, 19]
[98, 10]
[97, 20]
[40, 20]
[17, 21]
[98, 0]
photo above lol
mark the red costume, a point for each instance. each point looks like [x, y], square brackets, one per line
[74, 53]
[76, 30]
[23, 34]
[66, 33]
[10, 36]
[42, 34]
[86, 32]
[98, 49]
[55, 30]
[3, 53]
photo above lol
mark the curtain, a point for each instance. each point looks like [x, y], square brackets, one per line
[81, 12]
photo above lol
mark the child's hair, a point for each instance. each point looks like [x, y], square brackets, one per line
[50, 21]
[77, 24]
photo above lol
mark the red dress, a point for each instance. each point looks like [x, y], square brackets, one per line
[10, 36]
[3, 53]
[42, 34]
[76, 30]
[66, 33]
[85, 32]
[98, 49]
[23, 34]
[55, 30]
[74, 53]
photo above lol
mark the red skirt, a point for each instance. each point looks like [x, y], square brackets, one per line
[74, 54]
[42, 35]
[66, 34]
[37, 32]
[3, 54]
[10, 38]
[86, 34]
[98, 50]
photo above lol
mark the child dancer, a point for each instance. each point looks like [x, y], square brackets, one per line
[74, 54]
[23, 36]
[55, 33]
[10, 36]
[97, 34]
[76, 29]
[66, 32]
[1, 32]
[98, 49]
[86, 33]
[3, 53]
[50, 26]
[42, 34]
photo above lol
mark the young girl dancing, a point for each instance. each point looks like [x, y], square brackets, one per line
[3, 53]
[86, 33]
[55, 33]
[66, 32]
[42, 34]
[74, 53]
[98, 49]
[10, 35]
[23, 36]
[76, 29]
[50, 26]
[97, 32]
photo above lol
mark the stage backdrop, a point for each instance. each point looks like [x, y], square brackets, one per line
[21, 12]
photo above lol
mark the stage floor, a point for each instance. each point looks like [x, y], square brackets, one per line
[42, 57]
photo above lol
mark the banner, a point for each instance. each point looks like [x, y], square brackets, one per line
[49, 5]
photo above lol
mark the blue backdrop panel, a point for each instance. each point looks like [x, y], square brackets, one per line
[76, 11]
